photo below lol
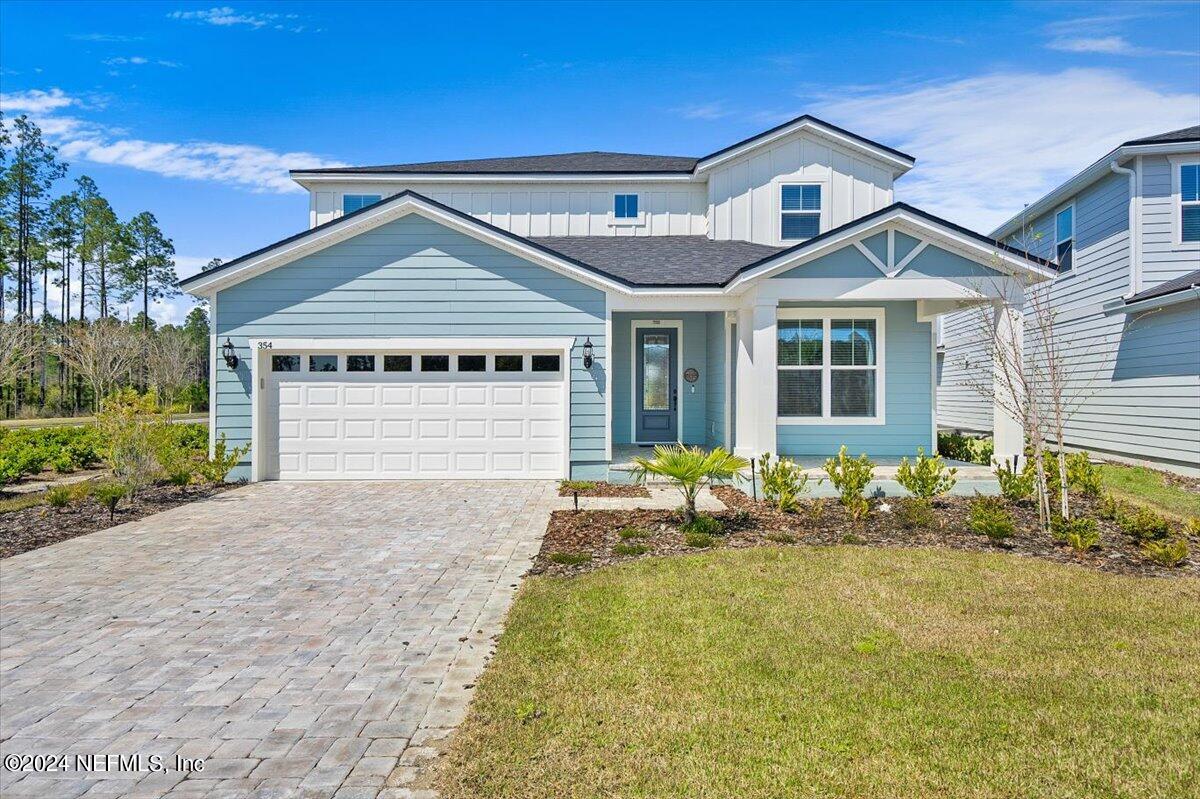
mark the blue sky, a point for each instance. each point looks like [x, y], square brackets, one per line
[195, 111]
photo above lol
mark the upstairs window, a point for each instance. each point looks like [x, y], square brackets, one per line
[799, 211]
[1189, 202]
[355, 202]
[1064, 238]
[625, 206]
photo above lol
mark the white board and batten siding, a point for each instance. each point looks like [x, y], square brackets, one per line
[743, 195]
[583, 209]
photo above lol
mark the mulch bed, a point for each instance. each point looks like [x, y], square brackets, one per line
[751, 524]
[41, 525]
[607, 490]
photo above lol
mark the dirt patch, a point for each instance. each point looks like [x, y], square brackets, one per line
[824, 522]
[41, 525]
[601, 489]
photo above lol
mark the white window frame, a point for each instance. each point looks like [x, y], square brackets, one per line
[1177, 203]
[341, 206]
[822, 219]
[1073, 239]
[827, 315]
[625, 221]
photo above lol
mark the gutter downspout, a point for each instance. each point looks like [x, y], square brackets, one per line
[1135, 237]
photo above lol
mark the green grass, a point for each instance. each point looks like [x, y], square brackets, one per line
[570, 558]
[627, 533]
[631, 549]
[838, 672]
[77, 491]
[1148, 487]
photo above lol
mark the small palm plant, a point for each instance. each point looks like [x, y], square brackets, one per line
[689, 469]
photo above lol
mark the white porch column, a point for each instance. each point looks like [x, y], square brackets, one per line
[1008, 432]
[756, 378]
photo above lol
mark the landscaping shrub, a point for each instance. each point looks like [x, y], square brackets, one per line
[218, 467]
[1080, 533]
[108, 495]
[783, 482]
[850, 476]
[631, 549]
[577, 485]
[926, 477]
[20, 462]
[1016, 486]
[689, 469]
[698, 540]
[58, 497]
[1143, 524]
[1083, 475]
[781, 538]
[626, 533]
[1110, 507]
[1167, 553]
[915, 512]
[958, 447]
[131, 426]
[989, 517]
[703, 524]
[1192, 526]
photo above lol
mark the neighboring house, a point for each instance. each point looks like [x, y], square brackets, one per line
[544, 316]
[1125, 234]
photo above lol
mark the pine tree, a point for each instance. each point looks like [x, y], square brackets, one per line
[106, 244]
[33, 169]
[150, 271]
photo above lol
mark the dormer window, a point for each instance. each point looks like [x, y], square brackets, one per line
[356, 202]
[799, 211]
[625, 206]
[1064, 238]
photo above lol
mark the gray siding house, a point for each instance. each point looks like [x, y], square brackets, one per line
[547, 316]
[1125, 235]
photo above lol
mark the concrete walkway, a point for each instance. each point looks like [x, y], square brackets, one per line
[302, 639]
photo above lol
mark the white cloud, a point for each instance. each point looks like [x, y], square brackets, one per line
[35, 101]
[137, 61]
[246, 166]
[103, 37]
[1108, 45]
[226, 16]
[986, 145]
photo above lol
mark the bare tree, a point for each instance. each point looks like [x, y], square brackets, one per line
[19, 342]
[103, 353]
[1026, 373]
[171, 358]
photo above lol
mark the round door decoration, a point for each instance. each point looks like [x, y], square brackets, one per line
[691, 375]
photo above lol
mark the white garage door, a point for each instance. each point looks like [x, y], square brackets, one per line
[348, 416]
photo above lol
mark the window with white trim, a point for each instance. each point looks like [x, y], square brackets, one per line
[829, 365]
[355, 202]
[1064, 238]
[1189, 202]
[799, 211]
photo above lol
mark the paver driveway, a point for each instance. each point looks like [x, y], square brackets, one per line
[304, 639]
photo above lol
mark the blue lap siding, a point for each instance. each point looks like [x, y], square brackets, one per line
[414, 278]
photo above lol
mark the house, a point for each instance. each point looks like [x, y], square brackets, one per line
[543, 316]
[1125, 235]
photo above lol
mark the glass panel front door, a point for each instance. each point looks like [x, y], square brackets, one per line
[657, 391]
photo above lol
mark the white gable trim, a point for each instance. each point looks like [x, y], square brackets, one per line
[896, 163]
[897, 219]
[389, 211]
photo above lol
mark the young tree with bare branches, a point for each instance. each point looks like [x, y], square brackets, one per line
[103, 353]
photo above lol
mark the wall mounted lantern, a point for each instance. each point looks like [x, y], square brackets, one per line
[587, 353]
[230, 354]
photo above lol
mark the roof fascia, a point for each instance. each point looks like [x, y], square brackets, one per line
[307, 178]
[907, 222]
[897, 164]
[1086, 177]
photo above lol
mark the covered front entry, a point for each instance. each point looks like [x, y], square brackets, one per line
[363, 413]
[656, 389]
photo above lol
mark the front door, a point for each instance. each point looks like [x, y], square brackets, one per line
[656, 391]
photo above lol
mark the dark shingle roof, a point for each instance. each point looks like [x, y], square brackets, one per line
[1181, 135]
[1181, 283]
[660, 260]
[565, 163]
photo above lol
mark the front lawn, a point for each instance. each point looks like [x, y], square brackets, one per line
[839, 671]
[1175, 496]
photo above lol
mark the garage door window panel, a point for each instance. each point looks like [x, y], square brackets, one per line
[546, 363]
[472, 363]
[435, 363]
[360, 363]
[397, 363]
[322, 363]
[510, 363]
[285, 363]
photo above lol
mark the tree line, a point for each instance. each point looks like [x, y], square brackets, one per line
[69, 248]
